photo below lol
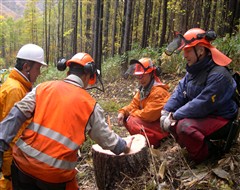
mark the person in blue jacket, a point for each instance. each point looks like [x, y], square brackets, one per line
[201, 107]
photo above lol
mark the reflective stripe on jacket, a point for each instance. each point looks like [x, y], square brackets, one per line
[50, 143]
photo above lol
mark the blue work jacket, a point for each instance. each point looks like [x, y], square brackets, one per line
[206, 89]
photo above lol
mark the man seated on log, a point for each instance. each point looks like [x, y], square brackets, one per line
[201, 108]
[142, 115]
[62, 112]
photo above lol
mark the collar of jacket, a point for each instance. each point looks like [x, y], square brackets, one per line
[144, 92]
[17, 75]
[75, 80]
[200, 65]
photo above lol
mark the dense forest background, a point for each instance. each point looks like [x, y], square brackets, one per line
[105, 28]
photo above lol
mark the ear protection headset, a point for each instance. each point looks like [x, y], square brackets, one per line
[158, 71]
[89, 68]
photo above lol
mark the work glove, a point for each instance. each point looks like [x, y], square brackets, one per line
[164, 115]
[167, 122]
[120, 119]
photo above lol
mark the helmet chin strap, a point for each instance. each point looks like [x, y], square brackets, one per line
[101, 89]
[194, 48]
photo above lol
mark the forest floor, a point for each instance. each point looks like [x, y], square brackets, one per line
[169, 168]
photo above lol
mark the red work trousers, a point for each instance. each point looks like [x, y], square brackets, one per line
[192, 134]
[152, 130]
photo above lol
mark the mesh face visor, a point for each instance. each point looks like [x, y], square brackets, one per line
[176, 45]
[137, 69]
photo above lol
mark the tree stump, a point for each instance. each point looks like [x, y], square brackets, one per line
[110, 168]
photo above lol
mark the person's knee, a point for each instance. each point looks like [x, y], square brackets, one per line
[182, 128]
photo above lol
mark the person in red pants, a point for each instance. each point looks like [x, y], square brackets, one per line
[142, 115]
[201, 108]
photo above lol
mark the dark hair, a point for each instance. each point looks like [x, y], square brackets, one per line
[76, 69]
[20, 62]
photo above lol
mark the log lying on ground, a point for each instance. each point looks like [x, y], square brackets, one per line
[110, 168]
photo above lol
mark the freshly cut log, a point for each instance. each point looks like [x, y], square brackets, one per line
[110, 168]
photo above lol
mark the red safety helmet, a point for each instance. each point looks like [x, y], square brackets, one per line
[88, 64]
[142, 66]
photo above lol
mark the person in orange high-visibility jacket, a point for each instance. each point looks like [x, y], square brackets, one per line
[45, 156]
[144, 111]
[19, 82]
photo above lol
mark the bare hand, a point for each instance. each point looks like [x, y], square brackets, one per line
[129, 141]
[120, 119]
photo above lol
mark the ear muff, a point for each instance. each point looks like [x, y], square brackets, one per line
[90, 68]
[61, 64]
[158, 71]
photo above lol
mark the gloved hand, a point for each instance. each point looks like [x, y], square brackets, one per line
[164, 115]
[120, 119]
[168, 122]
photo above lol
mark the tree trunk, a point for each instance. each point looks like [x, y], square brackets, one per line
[164, 24]
[81, 24]
[110, 168]
[62, 34]
[197, 14]
[96, 29]
[206, 18]
[214, 11]
[122, 26]
[74, 26]
[88, 42]
[114, 32]
[145, 23]
[106, 29]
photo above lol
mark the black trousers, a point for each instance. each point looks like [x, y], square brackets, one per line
[22, 181]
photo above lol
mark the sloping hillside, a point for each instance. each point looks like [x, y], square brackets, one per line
[15, 8]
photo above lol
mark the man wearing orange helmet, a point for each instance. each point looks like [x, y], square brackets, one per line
[201, 108]
[142, 115]
[62, 112]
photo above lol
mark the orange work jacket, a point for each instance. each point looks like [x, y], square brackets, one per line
[48, 147]
[148, 109]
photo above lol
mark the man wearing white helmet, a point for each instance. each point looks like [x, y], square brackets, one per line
[63, 113]
[29, 60]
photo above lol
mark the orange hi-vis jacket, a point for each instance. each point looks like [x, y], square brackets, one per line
[48, 147]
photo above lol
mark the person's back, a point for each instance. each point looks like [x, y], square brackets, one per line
[45, 156]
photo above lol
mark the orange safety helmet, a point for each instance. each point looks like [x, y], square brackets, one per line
[142, 66]
[193, 35]
[88, 64]
[198, 36]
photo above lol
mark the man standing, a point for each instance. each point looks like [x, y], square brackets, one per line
[63, 112]
[30, 58]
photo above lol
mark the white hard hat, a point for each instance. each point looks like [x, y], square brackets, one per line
[32, 52]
